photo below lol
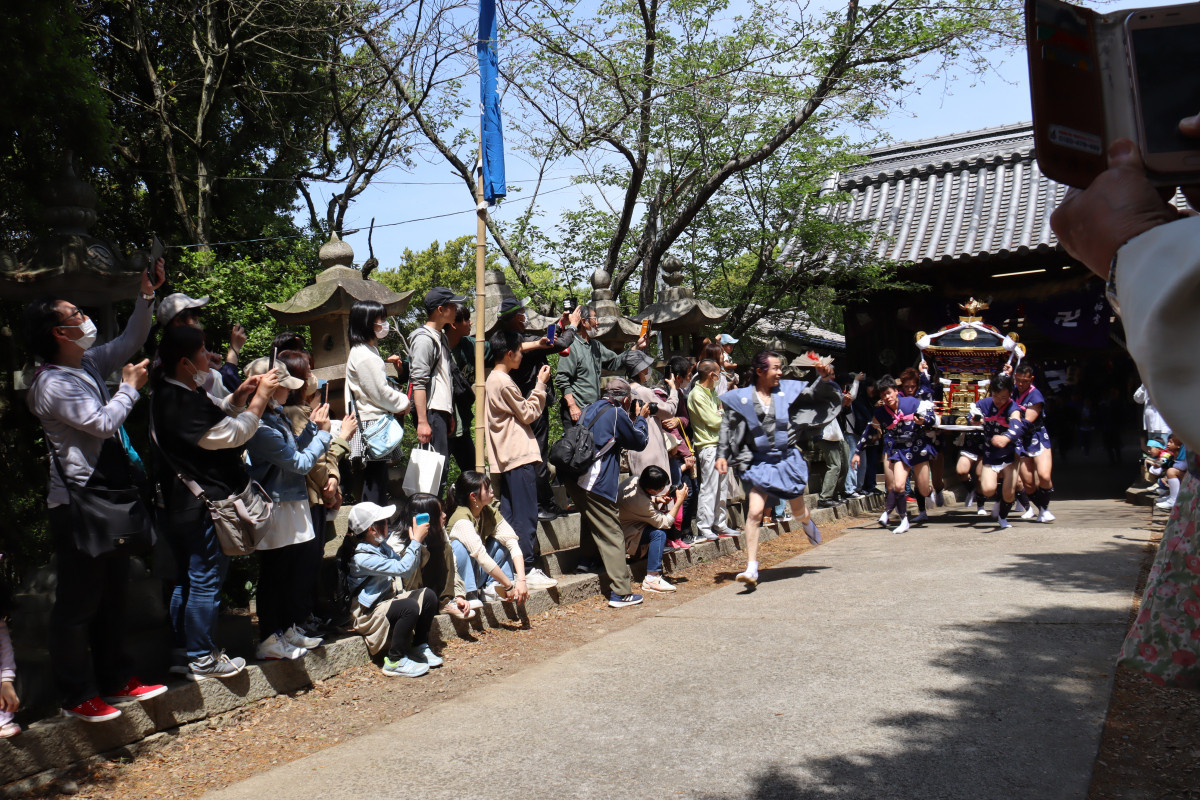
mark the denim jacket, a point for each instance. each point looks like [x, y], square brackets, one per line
[280, 461]
[372, 570]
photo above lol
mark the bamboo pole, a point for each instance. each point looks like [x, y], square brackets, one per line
[480, 302]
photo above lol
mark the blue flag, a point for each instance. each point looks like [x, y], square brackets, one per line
[493, 137]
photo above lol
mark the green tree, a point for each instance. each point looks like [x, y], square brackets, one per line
[451, 265]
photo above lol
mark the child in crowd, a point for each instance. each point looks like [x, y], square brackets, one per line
[383, 610]
[9, 702]
[438, 570]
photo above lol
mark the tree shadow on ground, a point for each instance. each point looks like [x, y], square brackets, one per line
[1018, 715]
[1099, 569]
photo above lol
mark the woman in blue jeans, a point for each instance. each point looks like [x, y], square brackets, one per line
[202, 439]
[487, 551]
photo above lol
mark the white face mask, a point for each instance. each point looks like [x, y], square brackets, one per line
[382, 329]
[88, 329]
[198, 377]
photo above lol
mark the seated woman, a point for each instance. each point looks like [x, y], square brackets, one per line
[382, 610]
[438, 571]
[487, 551]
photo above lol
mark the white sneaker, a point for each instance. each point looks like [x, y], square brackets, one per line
[883, 519]
[903, 526]
[1165, 505]
[749, 578]
[981, 511]
[1046, 516]
[939, 499]
[491, 594]
[656, 583]
[1030, 513]
[276, 648]
[536, 579]
[1004, 524]
[296, 638]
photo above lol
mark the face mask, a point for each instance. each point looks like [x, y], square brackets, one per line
[382, 329]
[88, 329]
[198, 377]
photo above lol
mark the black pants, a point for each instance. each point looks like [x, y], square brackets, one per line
[375, 482]
[541, 432]
[519, 507]
[308, 565]
[440, 422]
[279, 596]
[87, 625]
[411, 618]
[463, 450]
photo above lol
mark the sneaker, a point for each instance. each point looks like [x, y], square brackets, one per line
[731, 534]
[981, 511]
[546, 514]
[788, 516]
[296, 638]
[582, 568]
[536, 579]
[903, 526]
[884, 519]
[94, 710]
[404, 668]
[425, 655]
[316, 627]
[810, 530]
[9, 730]
[474, 601]
[136, 690]
[749, 578]
[920, 519]
[1165, 505]
[277, 648]
[1030, 512]
[620, 601]
[453, 610]
[970, 501]
[491, 593]
[691, 539]
[678, 544]
[1046, 516]
[1004, 524]
[706, 536]
[215, 665]
[939, 499]
[656, 583]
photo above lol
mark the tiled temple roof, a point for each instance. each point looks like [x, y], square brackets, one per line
[959, 197]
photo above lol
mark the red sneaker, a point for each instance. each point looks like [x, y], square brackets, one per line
[94, 710]
[678, 544]
[136, 690]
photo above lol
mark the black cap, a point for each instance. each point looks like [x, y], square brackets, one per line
[440, 296]
[511, 305]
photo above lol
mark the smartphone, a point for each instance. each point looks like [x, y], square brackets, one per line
[271, 363]
[156, 251]
[324, 393]
[552, 332]
[422, 519]
[1165, 90]
[645, 328]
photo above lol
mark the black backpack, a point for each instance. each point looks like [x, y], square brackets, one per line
[576, 452]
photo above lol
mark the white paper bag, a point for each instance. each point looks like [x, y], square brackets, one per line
[424, 471]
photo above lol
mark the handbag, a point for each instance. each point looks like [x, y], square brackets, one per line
[108, 513]
[239, 520]
[424, 470]
[378, 441]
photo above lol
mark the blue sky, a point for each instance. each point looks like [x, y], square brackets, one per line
[939, 106]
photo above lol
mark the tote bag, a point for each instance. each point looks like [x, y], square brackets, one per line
[424, 471]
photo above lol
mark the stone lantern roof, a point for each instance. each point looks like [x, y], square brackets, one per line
[68, 260]
[615, 329]
[336, 289]
[677, 310]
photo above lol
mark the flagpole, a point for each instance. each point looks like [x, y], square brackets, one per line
[480, 306]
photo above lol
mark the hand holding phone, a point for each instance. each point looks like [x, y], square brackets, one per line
[552, 332]
[325, 393]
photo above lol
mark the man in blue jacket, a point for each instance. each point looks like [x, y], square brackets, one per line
[595, 493]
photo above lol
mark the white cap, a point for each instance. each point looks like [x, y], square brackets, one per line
[366, 514]
[173, 305]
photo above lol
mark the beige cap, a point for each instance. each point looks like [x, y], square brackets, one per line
[259, 366]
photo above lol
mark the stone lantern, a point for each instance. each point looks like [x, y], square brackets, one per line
[616, 330]
[678, 313]
[324, 306]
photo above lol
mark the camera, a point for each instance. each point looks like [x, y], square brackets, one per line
[653, 409]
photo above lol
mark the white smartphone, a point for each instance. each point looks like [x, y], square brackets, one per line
[1161, 44]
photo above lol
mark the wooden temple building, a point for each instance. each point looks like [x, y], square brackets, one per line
[968, 215]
